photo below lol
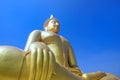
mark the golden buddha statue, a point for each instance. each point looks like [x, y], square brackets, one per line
[47, 56]
[60, 47]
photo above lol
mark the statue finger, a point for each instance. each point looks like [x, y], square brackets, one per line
[33, 63]
[39, 65]
[51, 65]
[45, 64]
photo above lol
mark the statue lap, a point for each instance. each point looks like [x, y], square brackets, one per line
[38, 64]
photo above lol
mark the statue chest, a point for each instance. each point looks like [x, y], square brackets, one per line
[50, 38]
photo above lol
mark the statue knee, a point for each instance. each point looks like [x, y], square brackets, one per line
[10, 62]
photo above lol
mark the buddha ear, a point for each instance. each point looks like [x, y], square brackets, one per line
[46, 29]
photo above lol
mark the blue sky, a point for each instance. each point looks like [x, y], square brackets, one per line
[91, 26]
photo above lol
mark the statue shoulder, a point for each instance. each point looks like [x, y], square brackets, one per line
[35, 32]
[65, 41]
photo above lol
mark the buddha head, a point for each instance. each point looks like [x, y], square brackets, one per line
[52, 24]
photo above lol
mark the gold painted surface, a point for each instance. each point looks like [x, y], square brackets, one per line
[47, 56]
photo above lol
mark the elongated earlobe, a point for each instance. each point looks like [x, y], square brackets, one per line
[46, 29]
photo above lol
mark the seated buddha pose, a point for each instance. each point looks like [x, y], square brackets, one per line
[60, 47]
[47, 56]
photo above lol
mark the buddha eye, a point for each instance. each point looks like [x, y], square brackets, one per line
[53, 22]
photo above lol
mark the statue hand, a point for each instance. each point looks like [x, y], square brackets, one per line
[94, 76]
[42, 62]
[76, 70]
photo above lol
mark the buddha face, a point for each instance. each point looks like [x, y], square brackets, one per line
[53, 26]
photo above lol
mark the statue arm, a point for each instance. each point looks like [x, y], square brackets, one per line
[33, 37]
[72, 62]
[71, 58]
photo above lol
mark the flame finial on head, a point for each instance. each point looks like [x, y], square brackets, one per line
[51, 16]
